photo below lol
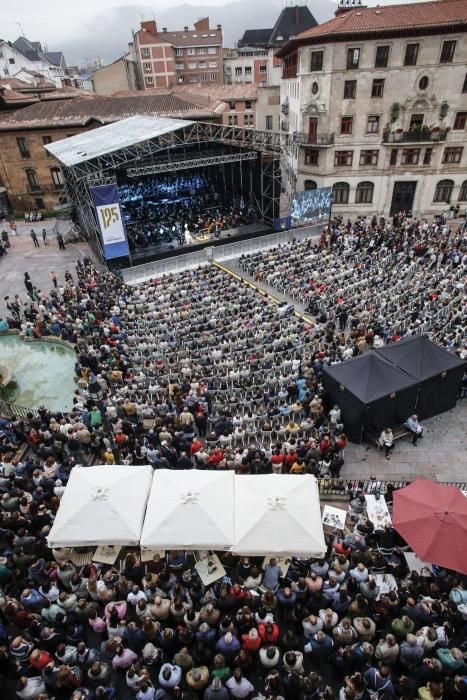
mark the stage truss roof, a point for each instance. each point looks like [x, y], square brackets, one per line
[112, 137]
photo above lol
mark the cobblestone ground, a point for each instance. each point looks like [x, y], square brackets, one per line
[39, 262]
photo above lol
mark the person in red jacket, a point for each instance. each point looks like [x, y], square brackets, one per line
[215, 457]
[325, 445]
[238, 593]
[251, 642]
[289, 459]
[195, 446]
[39, 658]
[277, 460]
[269, 632]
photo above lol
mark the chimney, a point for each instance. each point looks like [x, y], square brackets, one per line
[346, 5]
[149, 26]
[185, 29]
[164, 29]
[219, 26]
[202, 24]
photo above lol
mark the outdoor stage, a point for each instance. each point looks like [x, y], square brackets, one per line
[166, 250]
[128, 182]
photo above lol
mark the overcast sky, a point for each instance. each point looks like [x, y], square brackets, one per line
[85, 29]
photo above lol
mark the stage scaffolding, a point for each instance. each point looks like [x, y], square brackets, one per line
[102, 169]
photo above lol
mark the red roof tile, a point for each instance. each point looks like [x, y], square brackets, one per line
[387, 19]
[192, 37]
[104, 110]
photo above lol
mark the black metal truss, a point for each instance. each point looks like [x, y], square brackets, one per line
[202, 162]
[198, 132]
[80, 178]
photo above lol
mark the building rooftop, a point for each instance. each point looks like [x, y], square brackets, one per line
[387, 20]
[86, 109]
[15, 93]
[291, 21]
[179, 39]
[255, 37]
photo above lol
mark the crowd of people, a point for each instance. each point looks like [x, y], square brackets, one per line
[395, 277]
[151, 224]
[176, 210]
[165, 189]
[198, 370]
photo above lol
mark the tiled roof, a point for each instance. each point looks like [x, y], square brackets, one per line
[104, 110]
[13, 97]
[422, 17]
[192, 37]
[14, 84]
[247, 91]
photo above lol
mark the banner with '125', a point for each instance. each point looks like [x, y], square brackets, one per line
[109, 217]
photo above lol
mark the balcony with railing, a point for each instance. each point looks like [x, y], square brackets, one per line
[42, 189]
[314, 140]
[415, 135]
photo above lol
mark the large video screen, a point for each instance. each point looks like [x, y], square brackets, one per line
[310, 206]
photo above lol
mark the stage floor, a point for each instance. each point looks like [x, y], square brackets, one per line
[164, 250]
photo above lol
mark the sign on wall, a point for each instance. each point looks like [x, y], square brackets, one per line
[109, 217]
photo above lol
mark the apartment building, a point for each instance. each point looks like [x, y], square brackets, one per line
[254, 59]
[24, 57]
[169, 58]
[376, 99]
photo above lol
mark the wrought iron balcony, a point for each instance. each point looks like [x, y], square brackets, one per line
[414, 135]
[322, 139]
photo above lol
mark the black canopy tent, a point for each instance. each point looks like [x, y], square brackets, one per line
[371, 392]
[437, 372]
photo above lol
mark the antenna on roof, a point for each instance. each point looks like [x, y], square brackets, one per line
[20, 27]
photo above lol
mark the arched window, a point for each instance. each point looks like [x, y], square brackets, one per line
[364, 193]
[310, 185]
[57, 176]
[443, 191]
[33, 182]
[463, 192]
[340, 193]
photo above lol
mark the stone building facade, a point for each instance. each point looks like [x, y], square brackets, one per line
[377, 101]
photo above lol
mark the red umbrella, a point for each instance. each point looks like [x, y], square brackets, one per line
[432, 518]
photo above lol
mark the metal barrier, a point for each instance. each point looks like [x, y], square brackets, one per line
[349, 487]
[219, 253]
[8, 410]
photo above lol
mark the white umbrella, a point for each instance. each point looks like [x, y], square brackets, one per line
[102, 505]
[278, 514]
[189, 509]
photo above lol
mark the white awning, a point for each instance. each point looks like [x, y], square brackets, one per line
[102, 505]
[112, 137]
[189, 509]
[278, 514]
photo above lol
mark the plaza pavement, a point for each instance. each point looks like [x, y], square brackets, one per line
[39, 262]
